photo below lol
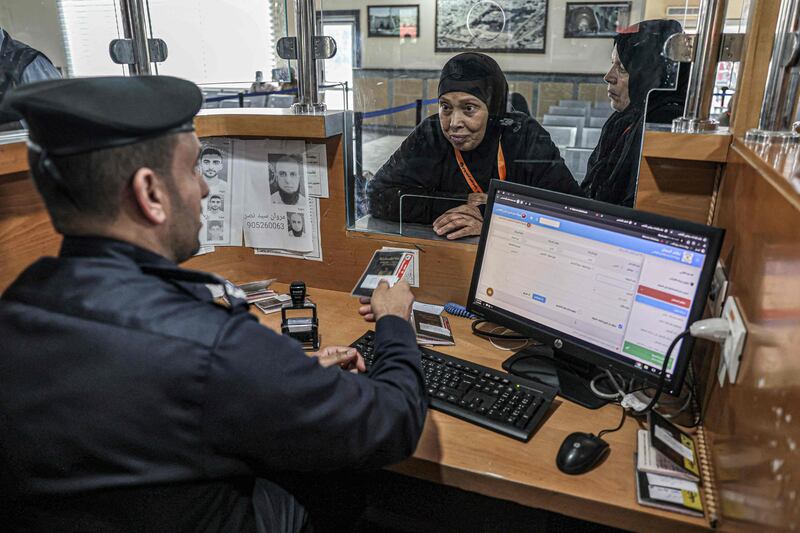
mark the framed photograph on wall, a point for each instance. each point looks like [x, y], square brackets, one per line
[491, 26]
[393, 21]
[596, 19]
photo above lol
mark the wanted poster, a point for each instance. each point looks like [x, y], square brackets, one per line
[276, 206]
[221, 209]
[316, 243]
[316, 162]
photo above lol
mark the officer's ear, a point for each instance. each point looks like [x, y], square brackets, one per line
[151, 195]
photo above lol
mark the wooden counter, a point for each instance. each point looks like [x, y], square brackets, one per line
[268, 122]
[459, 454]
[679, 173]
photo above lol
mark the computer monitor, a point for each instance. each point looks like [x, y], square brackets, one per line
[602, 286]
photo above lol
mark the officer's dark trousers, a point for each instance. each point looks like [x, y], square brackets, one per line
[277, 511]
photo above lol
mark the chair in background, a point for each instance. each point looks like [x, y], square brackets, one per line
[581, 104]
[597, 122]
[590, 137]
[604, 112]
[568, 111]
[256, 101]
[562, 136]
[280, 100]
[576, 122]
[577, 159]
[229, 103]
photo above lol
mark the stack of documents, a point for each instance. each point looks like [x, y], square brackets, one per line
[667, 473]
[256, 291]
[432, 328]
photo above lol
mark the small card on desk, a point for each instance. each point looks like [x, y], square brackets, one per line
[431, 329]
[668, 493]
[673, 444]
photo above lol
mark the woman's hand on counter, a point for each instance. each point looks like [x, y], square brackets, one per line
[462, 221]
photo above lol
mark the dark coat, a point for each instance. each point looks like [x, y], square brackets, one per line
[613, 168]
[425, 164]
[131, 402]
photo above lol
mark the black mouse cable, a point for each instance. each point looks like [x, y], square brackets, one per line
[492, 335]
[621, 423]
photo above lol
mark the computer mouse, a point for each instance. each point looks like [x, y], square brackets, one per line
[580, 452]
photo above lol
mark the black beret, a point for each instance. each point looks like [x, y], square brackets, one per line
[73, 116]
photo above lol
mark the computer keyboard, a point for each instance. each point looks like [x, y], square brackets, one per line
[489, 398]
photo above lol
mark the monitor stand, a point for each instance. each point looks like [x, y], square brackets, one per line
[568, 374]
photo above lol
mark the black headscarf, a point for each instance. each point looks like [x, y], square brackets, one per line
[612, 170]
[640, 49]
[480, 76]
[426, 166]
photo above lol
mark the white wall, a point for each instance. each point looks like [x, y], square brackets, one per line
[585, 56]
[35, 22]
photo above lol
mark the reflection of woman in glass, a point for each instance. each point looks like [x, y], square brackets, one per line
[454, 154]
[296, 225]
[637, 67]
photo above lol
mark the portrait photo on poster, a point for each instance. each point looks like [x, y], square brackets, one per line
[215, 206]
[215, 162]
[286, 179]
[295, 223]
[216, 231]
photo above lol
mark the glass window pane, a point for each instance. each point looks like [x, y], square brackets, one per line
[88, 27]
[220, 42]
[53, 39]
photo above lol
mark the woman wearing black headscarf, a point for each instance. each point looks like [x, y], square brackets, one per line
[456, 153]
[637, 67]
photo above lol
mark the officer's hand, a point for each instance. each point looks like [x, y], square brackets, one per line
[395, 301]
[346, 357]
[461, 221]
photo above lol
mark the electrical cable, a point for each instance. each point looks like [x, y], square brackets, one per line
[663, 378]
[621, 423]
[615, 396]
[490, 335]
[525, 343]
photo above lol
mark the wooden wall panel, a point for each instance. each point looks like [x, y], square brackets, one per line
[676, 187]
[25, 230]
[678, 173]
[754, 425]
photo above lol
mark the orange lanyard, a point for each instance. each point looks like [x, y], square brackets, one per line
[470, 179]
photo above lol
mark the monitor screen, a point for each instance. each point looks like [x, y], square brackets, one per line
[610, 285]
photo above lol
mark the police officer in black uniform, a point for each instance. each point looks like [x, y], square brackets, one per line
[129, 400]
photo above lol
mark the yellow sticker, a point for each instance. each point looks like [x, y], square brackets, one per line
[692, 500]
[691, 466]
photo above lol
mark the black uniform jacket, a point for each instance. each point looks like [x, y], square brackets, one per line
[132, 402]
[425, 164]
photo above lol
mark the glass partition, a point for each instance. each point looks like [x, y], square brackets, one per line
[562, 85]
[227, 47]
[54, 38]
